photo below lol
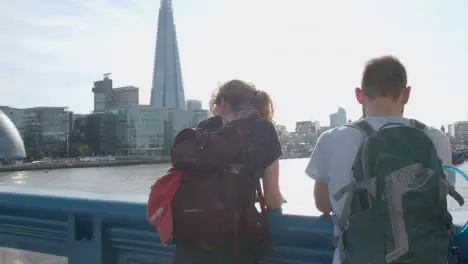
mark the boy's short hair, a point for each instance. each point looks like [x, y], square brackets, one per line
[384, 77]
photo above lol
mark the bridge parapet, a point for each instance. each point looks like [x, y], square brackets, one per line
[94, 229]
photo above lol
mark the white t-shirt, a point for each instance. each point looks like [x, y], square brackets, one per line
[336, 149]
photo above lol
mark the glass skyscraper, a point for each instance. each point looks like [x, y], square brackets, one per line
[167, 89]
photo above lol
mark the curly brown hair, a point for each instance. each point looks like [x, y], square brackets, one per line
[244, 98]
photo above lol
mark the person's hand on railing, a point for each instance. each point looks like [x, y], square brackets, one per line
[275, 211]
[284, 200]
[325, 216]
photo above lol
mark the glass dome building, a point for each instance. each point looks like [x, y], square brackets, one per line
[11, 143]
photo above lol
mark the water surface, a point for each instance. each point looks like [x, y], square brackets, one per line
[134, 182]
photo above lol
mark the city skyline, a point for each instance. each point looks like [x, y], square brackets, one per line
[60, 47]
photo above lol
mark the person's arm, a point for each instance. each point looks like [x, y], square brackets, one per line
[317, 169]
[273, 197]
[444, 151]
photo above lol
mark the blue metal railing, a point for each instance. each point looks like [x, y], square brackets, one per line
[95, 230]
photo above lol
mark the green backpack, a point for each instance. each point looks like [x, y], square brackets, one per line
[396, 210]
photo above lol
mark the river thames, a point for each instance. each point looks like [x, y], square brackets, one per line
[132, 183]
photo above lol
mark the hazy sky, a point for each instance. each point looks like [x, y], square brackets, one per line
[308, 54]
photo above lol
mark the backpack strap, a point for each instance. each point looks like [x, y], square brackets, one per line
[415, 123]
[263, 213]
[258, 190]
[412, 123]
[363, 126]
[391, 124]
[341, 222]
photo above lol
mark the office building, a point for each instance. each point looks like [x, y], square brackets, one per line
[281, 129]
[450, 130]
[460, 131]
[194, 105]
[338, 118]
[97, 132]
[307, 127]
[146, 131]
[46, 130]
[102, 94]
[127, 96]
[139, 131]
[106, 97]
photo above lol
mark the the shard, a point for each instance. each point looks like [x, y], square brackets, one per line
[167, 88]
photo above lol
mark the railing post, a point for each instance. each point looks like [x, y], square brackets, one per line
[85, 239]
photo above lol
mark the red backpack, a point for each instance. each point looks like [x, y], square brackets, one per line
[159, 209]
[215, 203]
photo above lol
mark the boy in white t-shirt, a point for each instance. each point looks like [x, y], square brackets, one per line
[383, 94]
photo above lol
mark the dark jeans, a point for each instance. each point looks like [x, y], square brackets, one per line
[185, 254]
